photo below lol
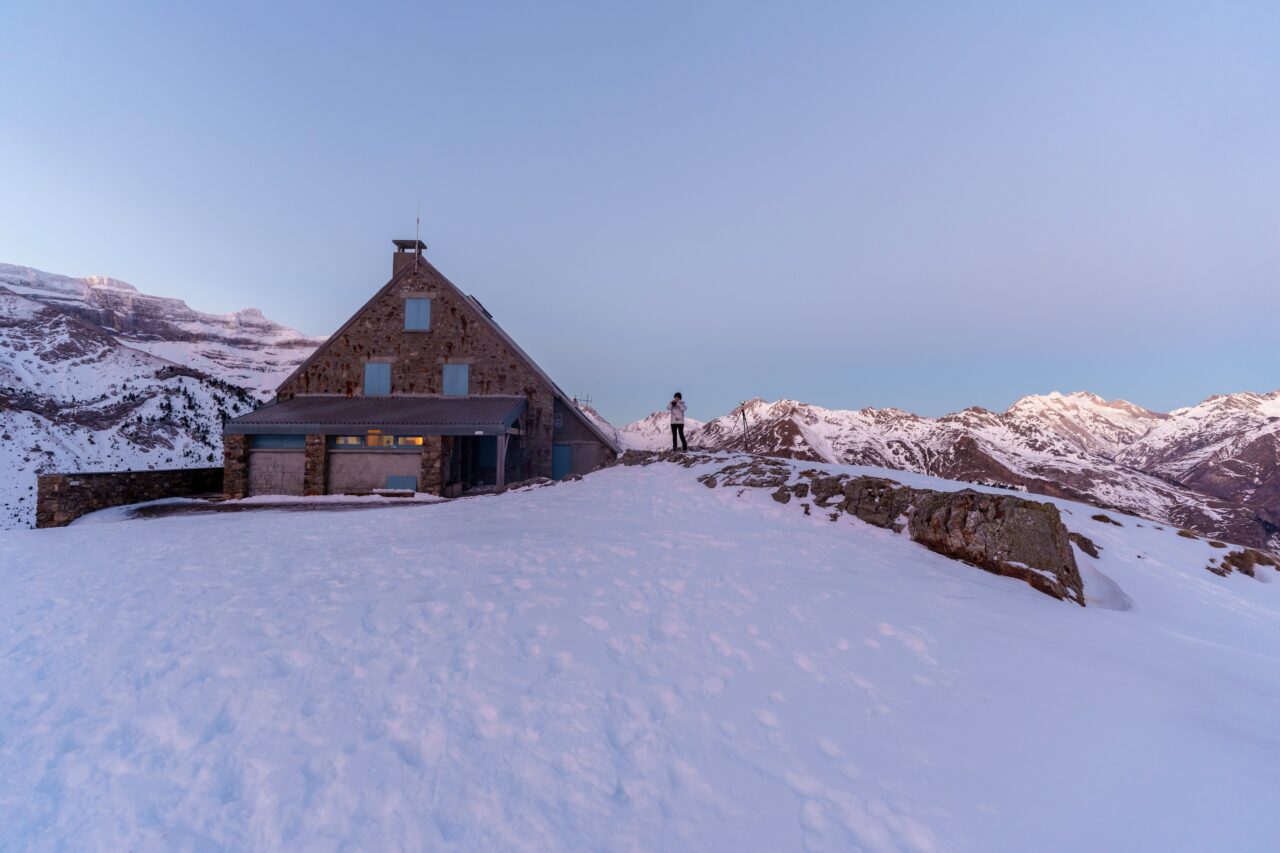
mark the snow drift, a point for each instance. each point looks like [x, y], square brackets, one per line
[632, 661]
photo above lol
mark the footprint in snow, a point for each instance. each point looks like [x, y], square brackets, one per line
[768, 719]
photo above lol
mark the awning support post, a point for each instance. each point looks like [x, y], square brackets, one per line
[501, 479]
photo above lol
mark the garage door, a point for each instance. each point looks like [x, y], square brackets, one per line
[365, 470]
[276, 472]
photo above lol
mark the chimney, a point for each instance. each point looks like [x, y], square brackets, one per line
[406, 252]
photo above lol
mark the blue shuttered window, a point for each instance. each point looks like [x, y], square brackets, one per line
[417, 315]
[377, 379]
[457, 380]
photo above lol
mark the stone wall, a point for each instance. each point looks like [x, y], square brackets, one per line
[459, 333]
[62, 498]
[435, 448]
[235, 465]
[315, 471]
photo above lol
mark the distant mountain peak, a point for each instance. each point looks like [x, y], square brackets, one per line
[107, 283]
[1214, 467]
[95, 374]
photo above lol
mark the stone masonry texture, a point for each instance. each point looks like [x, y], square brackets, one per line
[458, 333]
[315, 468]
[62, 498]
[235, 465]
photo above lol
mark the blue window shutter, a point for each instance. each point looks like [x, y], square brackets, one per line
[457, 380]
[417, 314]
[377, 379]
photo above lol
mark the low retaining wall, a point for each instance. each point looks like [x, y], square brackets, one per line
[62, 498]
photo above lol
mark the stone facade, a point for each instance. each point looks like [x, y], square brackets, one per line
[459, 333]
[434, 451]
[315, 472]
[62, 498]
[235, 465]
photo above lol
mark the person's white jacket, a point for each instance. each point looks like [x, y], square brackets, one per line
[677, 408]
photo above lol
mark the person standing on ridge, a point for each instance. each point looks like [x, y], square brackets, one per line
[677, 408]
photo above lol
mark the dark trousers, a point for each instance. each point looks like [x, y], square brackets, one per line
[678, 430]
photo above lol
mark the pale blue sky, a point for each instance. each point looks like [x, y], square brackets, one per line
[910, 204]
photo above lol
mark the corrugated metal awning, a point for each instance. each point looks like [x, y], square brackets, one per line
[404, 415]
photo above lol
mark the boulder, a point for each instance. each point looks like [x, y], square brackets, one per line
[1003, 534]
[825, 488]
[877, 501]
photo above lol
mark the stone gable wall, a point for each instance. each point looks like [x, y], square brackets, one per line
[458, 332]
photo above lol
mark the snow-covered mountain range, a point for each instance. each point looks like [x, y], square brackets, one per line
[97, 376]
[1213, 468]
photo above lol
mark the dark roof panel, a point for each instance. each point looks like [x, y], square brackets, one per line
[323, 415]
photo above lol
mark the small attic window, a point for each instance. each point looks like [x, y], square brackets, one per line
[417, 314]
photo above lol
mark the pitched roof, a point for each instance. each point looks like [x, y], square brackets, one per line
[328, 415]
[485, 317]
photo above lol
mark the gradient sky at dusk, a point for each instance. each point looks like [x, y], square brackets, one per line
[918, 205]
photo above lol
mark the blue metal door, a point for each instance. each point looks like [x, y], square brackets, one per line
[561, 461]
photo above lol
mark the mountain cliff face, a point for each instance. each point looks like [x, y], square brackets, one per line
[97, 376]
[1228, 446]
[1212, 468]
[244, 348]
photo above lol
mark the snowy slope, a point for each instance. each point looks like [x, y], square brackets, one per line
[96, 376]
[73, 398]
[1077, 445]
[630, 662]
[601, 424]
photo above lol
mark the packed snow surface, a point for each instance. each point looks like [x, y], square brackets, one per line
[629, 662]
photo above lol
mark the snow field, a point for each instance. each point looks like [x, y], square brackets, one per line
[629, 662]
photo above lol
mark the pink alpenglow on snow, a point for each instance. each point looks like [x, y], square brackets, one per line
[629, 662]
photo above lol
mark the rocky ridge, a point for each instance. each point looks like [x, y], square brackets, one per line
[1213, 468]
[1006, 535]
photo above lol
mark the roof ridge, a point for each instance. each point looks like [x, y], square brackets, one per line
[485, 317]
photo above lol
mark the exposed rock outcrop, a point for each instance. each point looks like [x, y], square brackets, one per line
[1085, 544]
[1245, 561]
[1214, 468]
[1003, 534]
